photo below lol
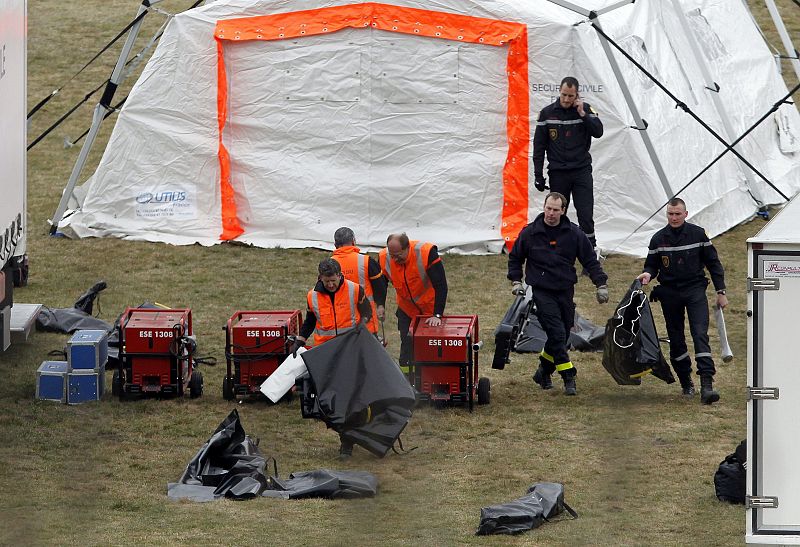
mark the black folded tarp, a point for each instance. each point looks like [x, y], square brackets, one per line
[228, 465]
[584, 336]
[507, 332]
[358, 390]
[543, 501]
[78, 317]
[231, 465]
[631, 347]
[521, 332]
[325, 483]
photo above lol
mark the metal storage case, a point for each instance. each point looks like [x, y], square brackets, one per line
[51, 381]
[84, 386]
[87, 350]
[773, 379]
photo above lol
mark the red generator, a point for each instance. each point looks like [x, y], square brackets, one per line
[256, 343]
[155, 356]
[444, 363]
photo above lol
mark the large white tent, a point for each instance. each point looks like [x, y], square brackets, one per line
[274, 122]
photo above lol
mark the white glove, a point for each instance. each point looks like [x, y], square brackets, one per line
[517, 288]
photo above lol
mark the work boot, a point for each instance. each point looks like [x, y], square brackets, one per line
[569, 386]
[687, 385]
[345, 451]
[542, 378]
[708, 394]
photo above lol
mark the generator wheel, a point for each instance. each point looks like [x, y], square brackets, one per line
[484, 391]
[196, 385]
[116, 384]
[227, 389]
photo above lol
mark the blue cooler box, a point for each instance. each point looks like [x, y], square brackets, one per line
[51, 381]
[87, 350]
[85, 385]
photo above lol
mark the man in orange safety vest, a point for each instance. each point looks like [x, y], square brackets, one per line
[416, 271]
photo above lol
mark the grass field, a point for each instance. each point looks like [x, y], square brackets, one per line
[637, 462]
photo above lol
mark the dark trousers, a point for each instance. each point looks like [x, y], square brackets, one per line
[403, 324]
[556, 314]
[693, 301]
[577, 187]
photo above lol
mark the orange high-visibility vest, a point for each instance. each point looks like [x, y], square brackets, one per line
[415, 294]
[355, 267]
[337, 317]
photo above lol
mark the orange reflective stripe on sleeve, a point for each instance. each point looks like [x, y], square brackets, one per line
[432, 24]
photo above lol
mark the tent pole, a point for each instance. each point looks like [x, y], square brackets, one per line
[103, 107]
[713, 91]
[641, 125]
[791, 52]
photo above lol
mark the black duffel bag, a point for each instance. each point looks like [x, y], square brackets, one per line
[730, 480]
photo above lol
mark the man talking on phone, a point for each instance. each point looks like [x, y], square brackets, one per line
[564, 133]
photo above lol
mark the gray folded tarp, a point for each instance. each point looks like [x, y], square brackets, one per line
[324, 483]
[543, 501]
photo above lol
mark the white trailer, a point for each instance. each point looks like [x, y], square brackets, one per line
[773, 380]
[13, 66]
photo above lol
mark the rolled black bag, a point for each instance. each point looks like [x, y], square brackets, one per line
[730, 480]
[543, 501]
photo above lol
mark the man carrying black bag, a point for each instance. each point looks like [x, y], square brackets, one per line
[548, 247]
[678, 255]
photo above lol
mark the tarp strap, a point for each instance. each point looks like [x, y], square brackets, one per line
[128, 65]
[65, 116]
[783, 100]
[640, 374]
[570, 510]
[683, 106]
[412, 21]
[115, 108]
[55, 92]
[402, 451]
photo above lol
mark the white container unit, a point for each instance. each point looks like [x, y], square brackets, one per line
[773, 380]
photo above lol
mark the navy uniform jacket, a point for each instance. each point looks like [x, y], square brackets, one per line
[550, 263]
[677, 257]
[565, 136]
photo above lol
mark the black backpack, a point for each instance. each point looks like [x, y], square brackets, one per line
[730, 480]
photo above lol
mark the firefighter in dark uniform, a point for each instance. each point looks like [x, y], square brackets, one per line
[678, 254]
[564, 132]
[548, 247]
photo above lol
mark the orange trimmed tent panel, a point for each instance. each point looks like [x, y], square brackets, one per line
[391, 18]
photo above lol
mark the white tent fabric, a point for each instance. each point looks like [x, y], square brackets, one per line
[387, 132]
